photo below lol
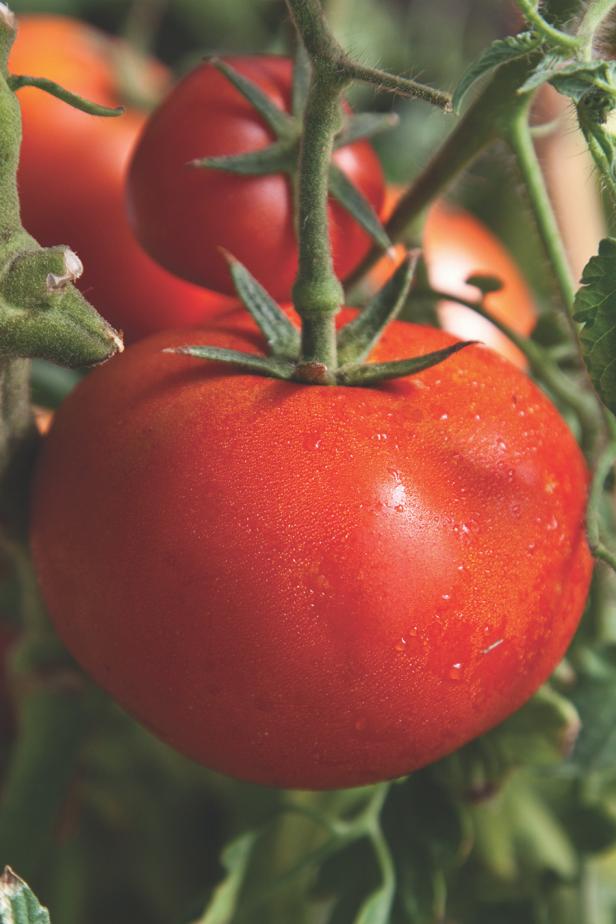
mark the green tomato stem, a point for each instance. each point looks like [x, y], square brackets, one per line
[484, 122]
[521, 142]
[553, 35]
[596, 11]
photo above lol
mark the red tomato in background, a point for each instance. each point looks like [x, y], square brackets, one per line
[71, 178]
[182, 215]
[457, 245]
[312, 586]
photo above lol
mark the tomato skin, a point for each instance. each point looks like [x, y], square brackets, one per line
[307, 586]
[183, 215]
[457, 245]
[71, 178]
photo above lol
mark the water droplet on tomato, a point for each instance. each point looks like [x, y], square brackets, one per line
[401, 645]
[455, 671]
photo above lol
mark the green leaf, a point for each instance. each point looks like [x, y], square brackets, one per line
[357, 338]
[595, 750]
[276, 158]
[595, 309]
[244, 362]
[282, 335]
[357, 205]
[365, 125]
[499, 52]
[373, 373]
[573, 79]
[235, 859]
[281, 123]
[376, 909]
[18, 904]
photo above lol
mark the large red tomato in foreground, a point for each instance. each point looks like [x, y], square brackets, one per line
[457, 245]
[183, 215]
[71, 178]
[308, 586]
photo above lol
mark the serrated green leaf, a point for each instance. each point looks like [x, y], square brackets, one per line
[349, 196]
[283, 337]
[573, 79]
[595, 309]
[18, 904]
[245, 362]
[357, 338]
[373, 373]
[499, 52]
[235, 859]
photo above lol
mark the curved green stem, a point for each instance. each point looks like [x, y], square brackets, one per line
[596, 11]
[553, 35]
[604, 466]
[520, 139]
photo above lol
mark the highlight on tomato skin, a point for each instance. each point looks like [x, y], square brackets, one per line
[196, 211]
[355, 581]
[72, 174]
[457, 245]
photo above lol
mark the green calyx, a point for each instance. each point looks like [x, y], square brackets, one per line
[354, 342]
[282, 156]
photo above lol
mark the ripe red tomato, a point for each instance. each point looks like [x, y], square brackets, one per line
[71, 178]
[183, 215]
[312, 586]
[457, 245]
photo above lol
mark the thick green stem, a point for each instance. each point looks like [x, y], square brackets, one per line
[317, 293]
[10, 140]
[18, 439]
[486, 120]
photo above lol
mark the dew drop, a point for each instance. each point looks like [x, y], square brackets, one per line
[455, 671]
[401, 645]
[445, 596]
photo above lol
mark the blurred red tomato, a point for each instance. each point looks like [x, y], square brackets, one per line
[457, 245]
[71, 177]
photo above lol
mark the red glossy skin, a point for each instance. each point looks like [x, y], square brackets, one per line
[307, 586]
[183, 215]
[71, 179]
